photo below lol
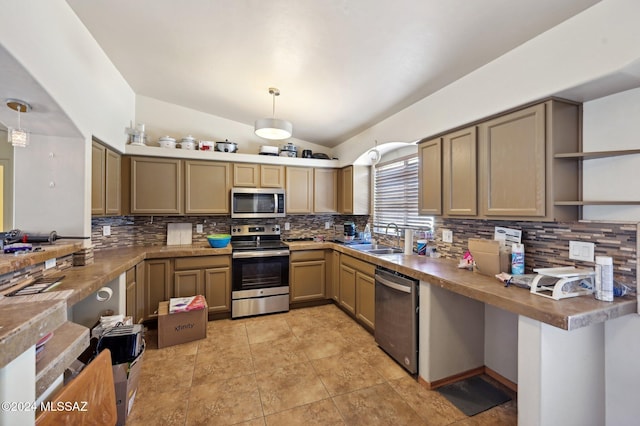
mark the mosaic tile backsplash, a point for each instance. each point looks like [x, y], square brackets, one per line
[546, 244]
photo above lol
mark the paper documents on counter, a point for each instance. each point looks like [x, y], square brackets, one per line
[507, 235]
[186, 304]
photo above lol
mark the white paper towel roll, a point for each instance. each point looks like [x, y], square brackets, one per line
[408, 241]
[104, 294]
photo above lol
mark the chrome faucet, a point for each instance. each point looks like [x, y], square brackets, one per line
[386, 232]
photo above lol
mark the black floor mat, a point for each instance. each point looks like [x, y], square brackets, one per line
[473, 395]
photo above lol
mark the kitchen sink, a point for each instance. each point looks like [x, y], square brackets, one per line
[390, 250]
[375, 248]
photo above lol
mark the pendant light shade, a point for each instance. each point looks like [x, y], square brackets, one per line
[18, 136]
[273, 128]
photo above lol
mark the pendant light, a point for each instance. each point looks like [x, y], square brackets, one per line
[19, 136]
[273, 128]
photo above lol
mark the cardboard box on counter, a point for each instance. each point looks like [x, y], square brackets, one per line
[490, 256]
[181, 327]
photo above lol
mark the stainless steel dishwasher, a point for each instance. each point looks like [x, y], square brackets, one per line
[396, 330]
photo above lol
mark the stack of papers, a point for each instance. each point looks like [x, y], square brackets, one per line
[186, 304]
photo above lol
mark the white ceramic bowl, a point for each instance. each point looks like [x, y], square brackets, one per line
[191, 145]
[166, 143]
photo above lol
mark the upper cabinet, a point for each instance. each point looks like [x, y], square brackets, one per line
[459, 173]
[354, 188]
[508, 170]
[258, 175]
[325, 190]
[207, 186]
[105, 181]
[430, 177]
[299, 189]
[167, 186]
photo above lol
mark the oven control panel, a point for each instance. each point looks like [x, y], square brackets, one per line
[248, 230]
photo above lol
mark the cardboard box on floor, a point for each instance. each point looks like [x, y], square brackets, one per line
[125, 378]
[181, 327]
[489, 257]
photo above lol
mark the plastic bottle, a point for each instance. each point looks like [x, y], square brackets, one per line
[366, 235]
[517, 259]
[604, 278]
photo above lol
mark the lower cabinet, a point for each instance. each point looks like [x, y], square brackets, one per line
[157, 288]
[357, 289]
[207, 275]
[307, 275]
[366, 299]
[181, 277]
[135, 293]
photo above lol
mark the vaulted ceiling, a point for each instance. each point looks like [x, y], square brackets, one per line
[341, 65]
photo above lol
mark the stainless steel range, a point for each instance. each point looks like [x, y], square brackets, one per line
[260, 273]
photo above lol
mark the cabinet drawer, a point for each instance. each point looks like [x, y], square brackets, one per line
[304, 255]
[201, 262]
[359, 265]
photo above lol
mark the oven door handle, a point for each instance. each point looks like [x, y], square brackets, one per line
[263, 253]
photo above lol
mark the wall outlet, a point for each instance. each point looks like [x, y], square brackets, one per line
[106, 230]
[447, 235]
[579, 250]
[287, 226]
[50, 263]
[199, 228]
[327, 225]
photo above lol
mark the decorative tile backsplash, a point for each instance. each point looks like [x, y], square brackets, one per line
[546, 243]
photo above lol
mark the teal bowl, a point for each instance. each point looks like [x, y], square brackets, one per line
[218, 240]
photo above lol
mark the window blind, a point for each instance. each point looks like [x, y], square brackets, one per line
[396, 195]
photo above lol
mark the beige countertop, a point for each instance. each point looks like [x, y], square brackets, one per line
[568, 314]
[23, 324]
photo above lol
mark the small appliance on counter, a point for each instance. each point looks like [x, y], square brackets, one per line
[226, 146]
[349, 231]
[307, 153]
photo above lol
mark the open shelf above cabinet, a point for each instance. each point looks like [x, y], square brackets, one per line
[596, 203]
[596, 154]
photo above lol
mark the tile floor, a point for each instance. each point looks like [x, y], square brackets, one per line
[311, 366]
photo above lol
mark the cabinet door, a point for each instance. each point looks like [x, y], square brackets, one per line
[272, 176]
[98, 176]
[325, 191]
[217, 289]
[299, 190]
[246, 175]
[459, 177]
[348, 288]
[335, 276]
[131, 287]
[187, 283]
[307, 280]
[430, 177]
[156, 185]
[112, 183]
[512, 164]
[346, 190]
[365, 299]
[157, 284]
[207, 186]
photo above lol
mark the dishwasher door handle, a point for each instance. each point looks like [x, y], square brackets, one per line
[391, 284]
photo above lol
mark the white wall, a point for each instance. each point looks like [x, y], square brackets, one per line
[602, 40]
[501, 342]
[49, 40]
[162, 118]
[50, 178]
[611, 123]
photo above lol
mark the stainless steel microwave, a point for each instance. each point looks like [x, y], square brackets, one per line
[250, 203]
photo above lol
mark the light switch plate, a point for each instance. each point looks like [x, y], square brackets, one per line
[327, 225]
[199, 228]
[106, 230]
[447, 235]
[287, 226]
[579, 250]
